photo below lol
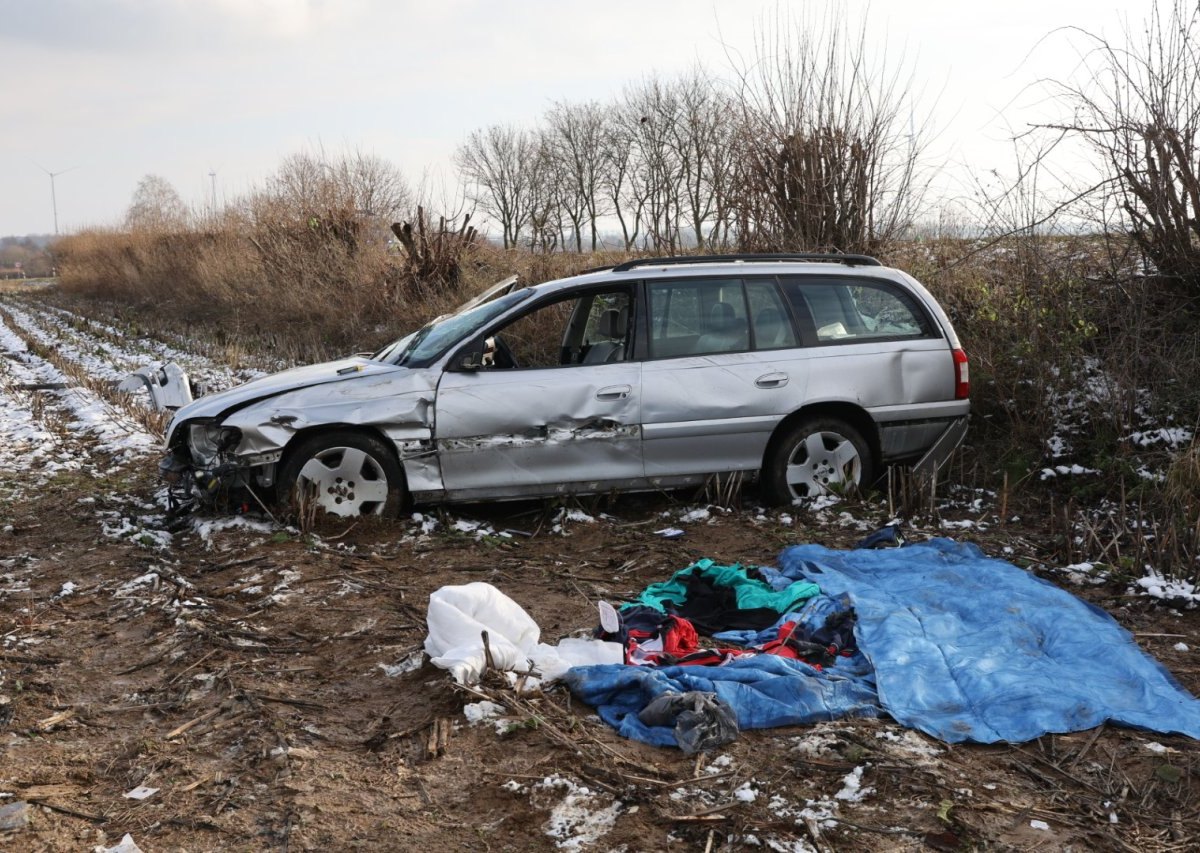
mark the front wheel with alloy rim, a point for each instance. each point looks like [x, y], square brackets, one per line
[818, 456]
[346, 473]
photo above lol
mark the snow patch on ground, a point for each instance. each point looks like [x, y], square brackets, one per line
[206, 528]
[488, 712]
[1156, 585]
[853, 790]
[1066, 470]
[78, 408]
[1171, 437]
[579, 819]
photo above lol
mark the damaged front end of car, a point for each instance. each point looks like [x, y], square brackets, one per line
[201, 470]
[230, 451]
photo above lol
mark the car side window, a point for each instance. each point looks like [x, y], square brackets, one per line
[770, 322]
[887, 314]
[849, 310]
[588, 329]
[699, 317]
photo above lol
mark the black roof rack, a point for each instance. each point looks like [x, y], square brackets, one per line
[777, 257]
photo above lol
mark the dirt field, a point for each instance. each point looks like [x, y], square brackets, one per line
[270, 686]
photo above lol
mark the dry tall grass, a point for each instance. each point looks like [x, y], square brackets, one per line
[305, 289]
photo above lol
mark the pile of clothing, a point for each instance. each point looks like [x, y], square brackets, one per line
[738, 607]
[937, 635]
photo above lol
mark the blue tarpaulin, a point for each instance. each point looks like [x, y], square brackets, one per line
[966, 647]
[956, 644]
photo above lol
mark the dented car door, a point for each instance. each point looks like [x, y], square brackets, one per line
[555, 410]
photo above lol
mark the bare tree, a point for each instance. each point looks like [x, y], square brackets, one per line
[649, 111]
[617, 175]
[552, 200]
[300, 185]
[574, 140]
[829, 143]
[358, 184]
[702, 136]
[155, 206]
[1137, 105]
[496, 162]
[375, 187]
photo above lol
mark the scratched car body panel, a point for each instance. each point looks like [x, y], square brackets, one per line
[809, 372]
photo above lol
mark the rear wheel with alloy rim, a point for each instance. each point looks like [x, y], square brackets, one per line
[818, 456]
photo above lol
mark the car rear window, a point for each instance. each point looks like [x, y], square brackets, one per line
[848, 310]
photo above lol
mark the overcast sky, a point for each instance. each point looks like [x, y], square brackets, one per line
[112, 90]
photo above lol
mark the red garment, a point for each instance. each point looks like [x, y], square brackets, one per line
[675, 642]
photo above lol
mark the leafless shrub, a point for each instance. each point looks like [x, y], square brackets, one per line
[829, 145]
[1137, 105]
[433, 255]
[307, 250]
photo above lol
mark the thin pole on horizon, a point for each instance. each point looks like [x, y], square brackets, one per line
[53, 195]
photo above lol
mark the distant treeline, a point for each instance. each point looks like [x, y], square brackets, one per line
[26, 257]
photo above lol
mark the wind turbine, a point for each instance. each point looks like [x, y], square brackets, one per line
[53, 197]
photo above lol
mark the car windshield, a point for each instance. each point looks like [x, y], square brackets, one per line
[421, 347]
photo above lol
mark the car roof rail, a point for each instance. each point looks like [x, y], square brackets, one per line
[750, 257]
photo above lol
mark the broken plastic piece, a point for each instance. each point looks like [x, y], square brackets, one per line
[168, 386]
[141, 792]
[126, 845]
[610, 620]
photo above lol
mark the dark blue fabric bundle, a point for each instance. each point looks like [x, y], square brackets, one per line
[764, 691]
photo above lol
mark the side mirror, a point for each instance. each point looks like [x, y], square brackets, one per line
[481, 356]
[476, 357]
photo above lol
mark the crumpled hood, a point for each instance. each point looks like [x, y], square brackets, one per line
[222, 403]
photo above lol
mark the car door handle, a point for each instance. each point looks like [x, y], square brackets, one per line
[772, 380]
[614, 392]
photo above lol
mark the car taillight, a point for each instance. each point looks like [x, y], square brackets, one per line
[962, 375]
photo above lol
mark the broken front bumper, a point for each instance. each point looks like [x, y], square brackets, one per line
[210, 486]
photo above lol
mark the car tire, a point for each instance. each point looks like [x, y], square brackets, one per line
[817, 456]
[352, 474]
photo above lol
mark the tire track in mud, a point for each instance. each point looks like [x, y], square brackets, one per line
[74, 397]
[55, 424]
[115, 352]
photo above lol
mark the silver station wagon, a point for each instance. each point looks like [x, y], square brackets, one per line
[808, 372]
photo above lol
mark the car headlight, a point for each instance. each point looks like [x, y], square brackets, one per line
[207, 441]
